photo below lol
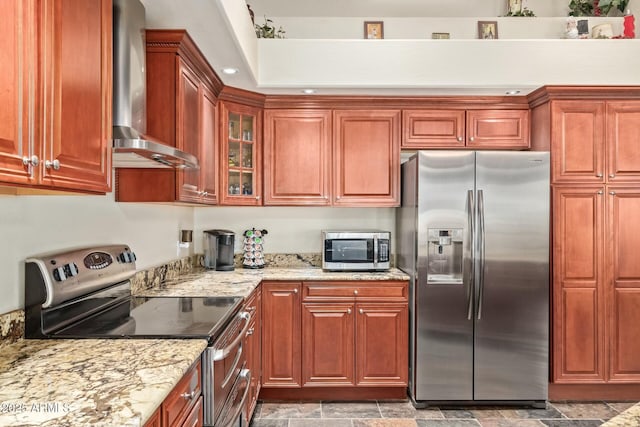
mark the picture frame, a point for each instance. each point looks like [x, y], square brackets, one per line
[514, 7]
[487, 30]
[374, 30]
[440, 35]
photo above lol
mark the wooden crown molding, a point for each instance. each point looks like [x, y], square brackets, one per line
[241, 96]
[550, 93]
[180, 43]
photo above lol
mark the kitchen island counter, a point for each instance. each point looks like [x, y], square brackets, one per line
[241, 282]
[92, 382]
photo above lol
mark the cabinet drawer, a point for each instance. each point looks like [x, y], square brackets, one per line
[195, 417]
[183, 396]
[355, 291]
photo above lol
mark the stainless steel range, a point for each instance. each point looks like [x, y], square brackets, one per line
[86, 293]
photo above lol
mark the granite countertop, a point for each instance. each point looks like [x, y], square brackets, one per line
[241, 282]
[90, 382]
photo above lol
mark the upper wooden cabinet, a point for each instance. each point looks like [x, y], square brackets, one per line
[181, 112]
[595, 141]
[240, 165]
[55, 124]
[297, 157]
[477, 129]
[366, 149]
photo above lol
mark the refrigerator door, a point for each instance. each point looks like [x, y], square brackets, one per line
[443, 335]
[512, 276]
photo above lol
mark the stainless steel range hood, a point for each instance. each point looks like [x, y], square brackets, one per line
[131, 147]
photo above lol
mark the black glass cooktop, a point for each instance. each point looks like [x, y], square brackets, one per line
[157, 317]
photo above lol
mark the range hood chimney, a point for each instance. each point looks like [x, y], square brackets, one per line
[131, 147]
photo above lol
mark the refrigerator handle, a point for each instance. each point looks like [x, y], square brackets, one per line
[481, 247]
[468, 260]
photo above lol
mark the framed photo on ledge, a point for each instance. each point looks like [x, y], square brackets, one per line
[515, 7]
[487, 30]
[373, 30]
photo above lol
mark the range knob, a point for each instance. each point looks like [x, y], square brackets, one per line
[59, 274]
[127, 257]
[71, 269]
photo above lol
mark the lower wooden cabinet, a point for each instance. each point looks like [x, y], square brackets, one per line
[253, 350]
[183, 406]
[338, 334]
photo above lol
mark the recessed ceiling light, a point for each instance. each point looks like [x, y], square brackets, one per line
[309, 91]
[512, 92]
[230, 70]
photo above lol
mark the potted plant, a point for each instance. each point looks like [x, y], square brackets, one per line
[581, 8]
[268, 30]
[613, 7]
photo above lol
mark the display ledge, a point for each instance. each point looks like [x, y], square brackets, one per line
[90, 382]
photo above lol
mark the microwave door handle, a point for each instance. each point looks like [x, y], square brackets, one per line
[375, 251]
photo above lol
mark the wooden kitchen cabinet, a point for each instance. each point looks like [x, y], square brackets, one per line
[55, 124]
[366, 147]
[355, 334]
[183, 406]
[471, 129]
[281, 334]
[181, 112]
[240, 165]
[297, 157]
[253, 349]
[623, 141]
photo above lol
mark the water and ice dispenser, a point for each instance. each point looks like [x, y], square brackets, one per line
[444, 256]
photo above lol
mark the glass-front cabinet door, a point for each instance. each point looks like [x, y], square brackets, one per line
[240, 159]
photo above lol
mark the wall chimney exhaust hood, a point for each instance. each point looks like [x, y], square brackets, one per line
[131, 147]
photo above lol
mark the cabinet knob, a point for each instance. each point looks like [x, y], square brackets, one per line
[33, 161]
[205, 193]
[613, 193]
[295, 291]
[600, 192]
[460, 139]
[612, 175]
[471, 138]
[348, 311]
[361, 311]
[257, 197]
[355, 292]
[188, 396]
[52, 164]
[337, 197]
[598, 175]
[249, 331]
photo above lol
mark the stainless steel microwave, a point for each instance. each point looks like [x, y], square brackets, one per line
[356, 250]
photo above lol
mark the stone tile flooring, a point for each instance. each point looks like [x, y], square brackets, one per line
[403, 414]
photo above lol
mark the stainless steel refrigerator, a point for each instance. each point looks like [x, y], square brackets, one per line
[473, 234]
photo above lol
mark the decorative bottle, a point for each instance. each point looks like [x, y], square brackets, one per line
[629, 25]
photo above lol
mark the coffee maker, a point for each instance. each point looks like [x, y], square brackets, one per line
[218, 250]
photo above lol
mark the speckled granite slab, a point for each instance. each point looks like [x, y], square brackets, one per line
[89, 382]
[241, 282]
[11, 326]
[630, 417]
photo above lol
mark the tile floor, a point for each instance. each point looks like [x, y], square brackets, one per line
[401, 414]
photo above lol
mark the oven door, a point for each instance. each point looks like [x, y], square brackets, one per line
[221, 366]
[233, 408]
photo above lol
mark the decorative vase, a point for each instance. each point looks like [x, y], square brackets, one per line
[629, 25]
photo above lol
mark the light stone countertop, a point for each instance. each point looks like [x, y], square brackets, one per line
[241, 282]
[92, 382]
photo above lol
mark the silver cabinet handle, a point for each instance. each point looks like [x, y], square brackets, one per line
[188, 396]
[600, 192]
[460, 139]
[355, 292]
[612, 175]
[599, 175]
[471, 138]
[33, 161]
[326, 197]
[348, 311]
[205, 193]
[52, 164]
[361, 311]
[613, 193]
[250, 332]
[257, 197]
[295, 291]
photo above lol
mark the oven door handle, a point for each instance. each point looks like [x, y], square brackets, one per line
[225, 420]
[221, 353]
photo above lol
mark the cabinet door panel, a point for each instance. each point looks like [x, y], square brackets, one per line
[188, 127]
[297, 157]
[76, 128]
[498, 129]
[18, 58]
[578, 292]
[433, 129]
[623, 139]
[208, 146]
[577, 141]
[281, 334]
[367, 158]
[624, 294]
[382, 344]
[327, 344]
